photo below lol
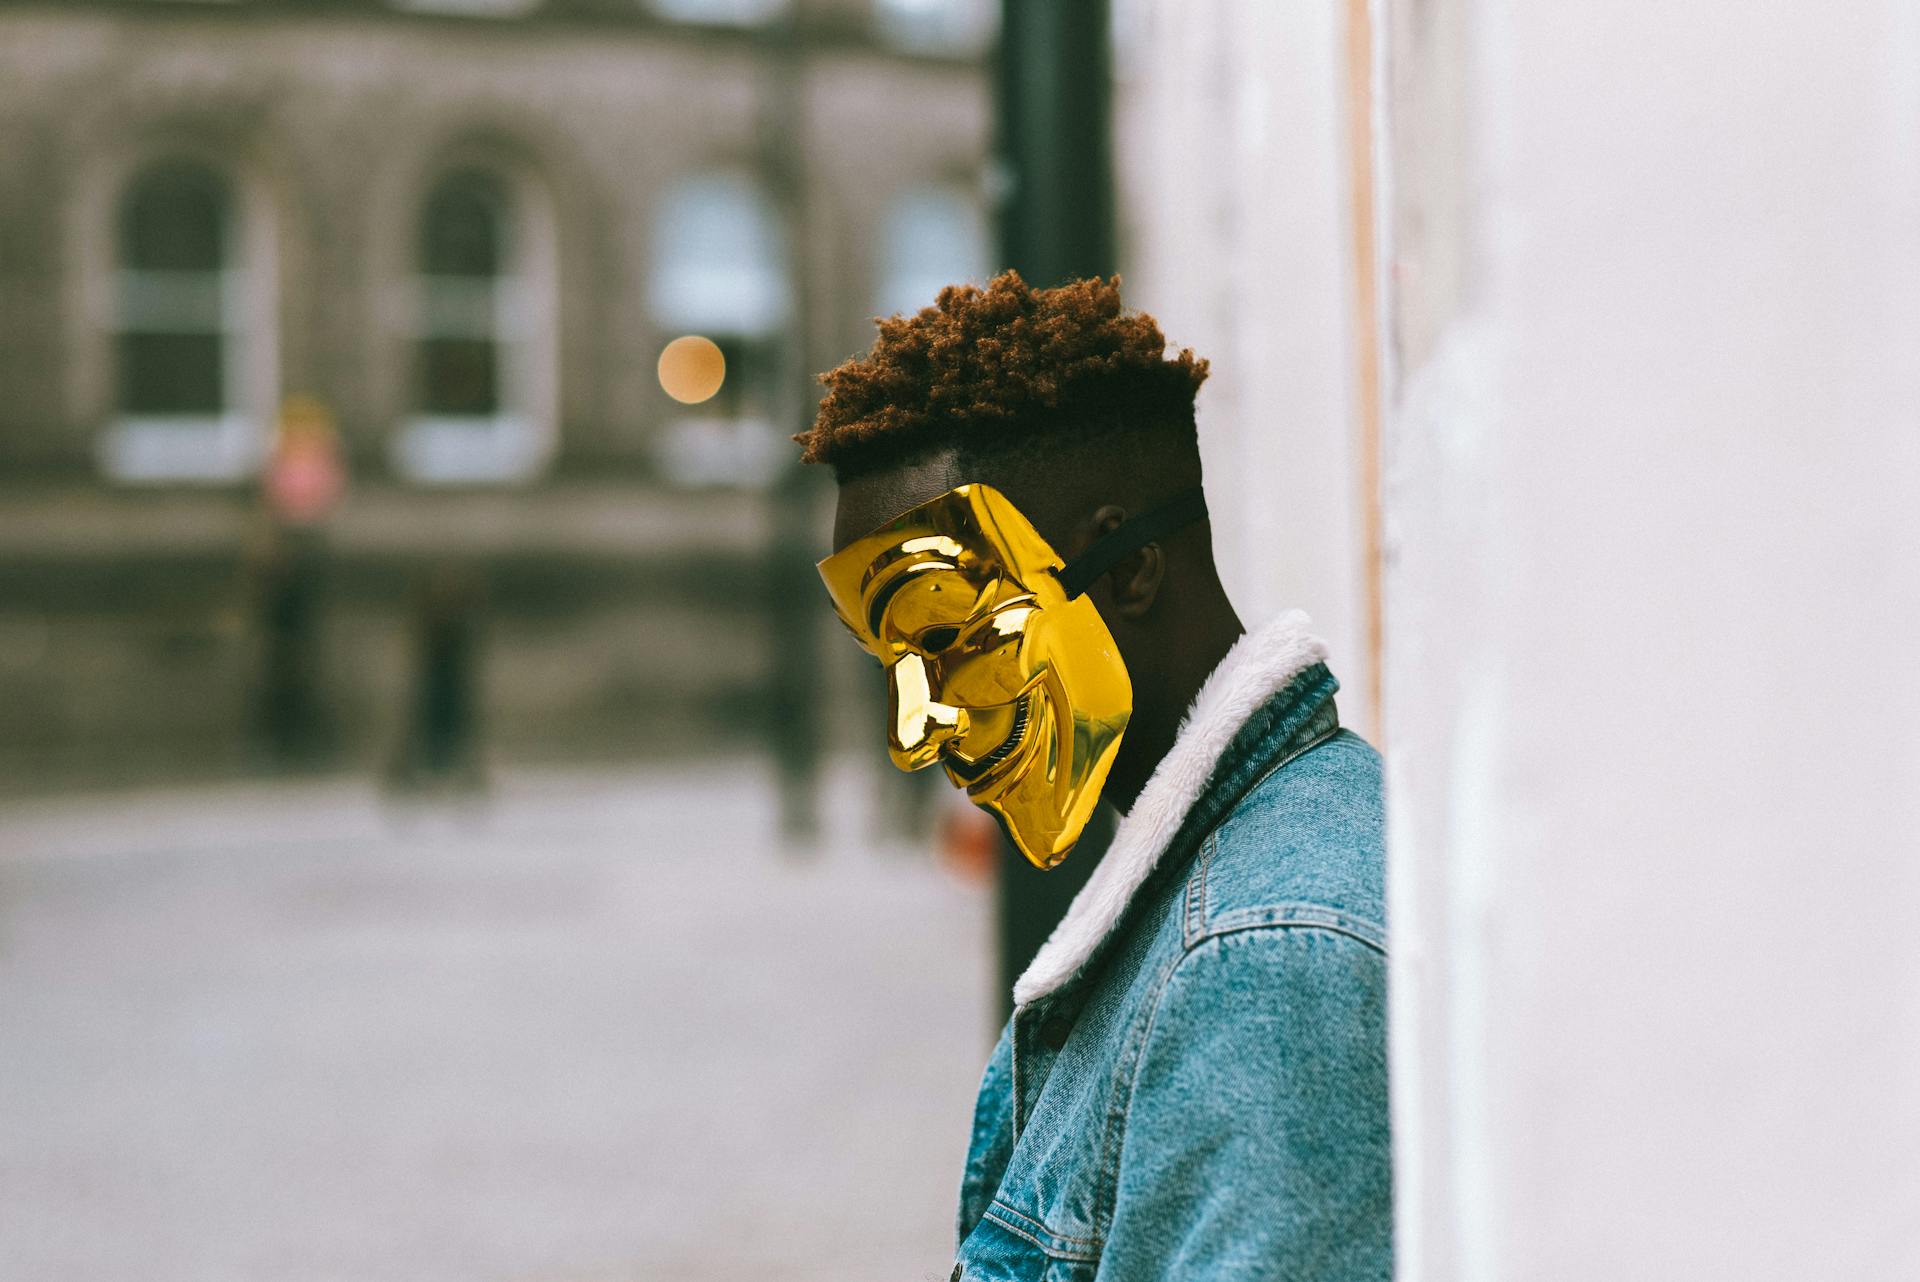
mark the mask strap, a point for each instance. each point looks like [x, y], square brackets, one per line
[1128, 537]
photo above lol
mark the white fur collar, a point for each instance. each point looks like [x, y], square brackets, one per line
[1259, 666]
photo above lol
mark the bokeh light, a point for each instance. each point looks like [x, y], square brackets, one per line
[692, 368]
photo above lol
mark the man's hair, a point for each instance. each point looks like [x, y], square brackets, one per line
[1007, 370]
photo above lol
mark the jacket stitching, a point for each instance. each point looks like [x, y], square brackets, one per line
[1053, 1251]
[1194, 921]
[1125, 1071]
[1039, 1226]
[1179, 816]
[1108, 1191]
[1333, 732]
[1126, 1066]
[1013, 1074]
[1299, 917]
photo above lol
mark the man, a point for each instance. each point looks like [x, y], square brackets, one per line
[1193, 1084]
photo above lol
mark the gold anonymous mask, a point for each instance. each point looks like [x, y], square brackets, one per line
[998, 668]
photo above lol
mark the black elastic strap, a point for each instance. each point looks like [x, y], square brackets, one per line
[1129, 536]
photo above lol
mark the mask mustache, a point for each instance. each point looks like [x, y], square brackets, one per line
[1016, 735]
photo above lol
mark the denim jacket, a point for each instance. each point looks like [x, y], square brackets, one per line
[1199, 1090]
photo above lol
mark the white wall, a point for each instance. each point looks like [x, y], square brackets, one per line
[1653, 639]
[1235, 235]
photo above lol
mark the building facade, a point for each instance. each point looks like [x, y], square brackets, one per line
[463, 231]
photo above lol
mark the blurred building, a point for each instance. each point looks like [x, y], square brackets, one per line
[466, 229]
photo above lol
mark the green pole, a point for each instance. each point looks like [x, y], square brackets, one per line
[1056, 224]
[1055, 140]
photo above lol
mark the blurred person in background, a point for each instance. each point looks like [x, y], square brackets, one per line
[302, 484]
[441, 747]
[1193, 1083]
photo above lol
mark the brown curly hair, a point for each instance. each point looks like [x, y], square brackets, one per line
[998, 368]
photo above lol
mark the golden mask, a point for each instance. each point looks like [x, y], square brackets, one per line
[998, 668]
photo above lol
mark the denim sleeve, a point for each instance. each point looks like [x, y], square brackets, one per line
[1256, 1142]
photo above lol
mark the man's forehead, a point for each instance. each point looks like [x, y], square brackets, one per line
[869, 501]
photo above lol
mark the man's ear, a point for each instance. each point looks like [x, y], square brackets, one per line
[1134, 584]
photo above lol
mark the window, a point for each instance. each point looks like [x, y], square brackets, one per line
[470, 8]
[720, 272]
[934, 236]
[475, 339]
[463, 248]
[728, 13]
[718, 261]
[179, 329]
[936, 26]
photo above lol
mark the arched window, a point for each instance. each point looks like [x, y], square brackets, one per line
[476, 331]
[720, 272]
[180, 310]
[934, 236]
[464, 244]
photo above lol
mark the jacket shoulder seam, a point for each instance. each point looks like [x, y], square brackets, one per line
[1272, 777]
[1291, 916]
[1337, 736]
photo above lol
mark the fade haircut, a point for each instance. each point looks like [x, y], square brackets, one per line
[1010, 376]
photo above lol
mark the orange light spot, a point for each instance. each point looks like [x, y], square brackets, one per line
[692, 369]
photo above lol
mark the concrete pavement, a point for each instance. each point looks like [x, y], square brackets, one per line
[602, 1029]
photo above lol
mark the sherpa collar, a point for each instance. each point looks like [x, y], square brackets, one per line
[1259, 666]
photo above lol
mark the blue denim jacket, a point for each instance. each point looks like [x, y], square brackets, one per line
[1208, 1097]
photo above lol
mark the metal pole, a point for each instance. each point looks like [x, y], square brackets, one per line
[1056, 225]
[1055, 140]
[792, 590]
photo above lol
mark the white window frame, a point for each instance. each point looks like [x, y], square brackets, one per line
[228, 446]
[495, 9]
[719, 13]
[516, 443]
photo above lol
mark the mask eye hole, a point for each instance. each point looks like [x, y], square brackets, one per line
[934, 640]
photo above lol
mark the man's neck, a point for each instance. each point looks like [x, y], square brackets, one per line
[1178, 669]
